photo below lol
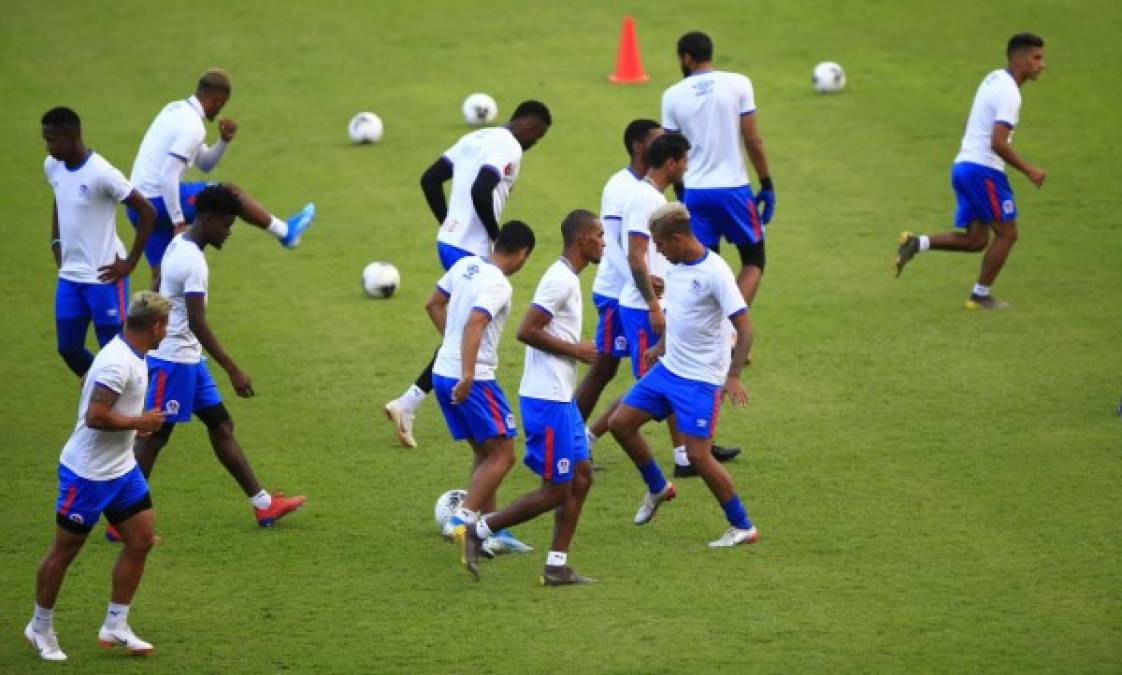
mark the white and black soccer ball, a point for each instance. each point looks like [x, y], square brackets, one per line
[380, 280]
[365, 127]
[828, 77]
[480, 109]
[446, 505]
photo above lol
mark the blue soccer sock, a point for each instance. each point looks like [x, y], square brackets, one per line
[71, 336]
[735, 513]
[656, 482]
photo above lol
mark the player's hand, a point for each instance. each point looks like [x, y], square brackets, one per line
[118, 269]
[734, 391]
[1036, 176]
[461, 390]
[658, 320]
[227, 128]
[650, 357]
[658, 286]
[585, 352]
[150, 422]
[765, 205]
[242, 383]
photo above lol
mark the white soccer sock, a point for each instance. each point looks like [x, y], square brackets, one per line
[556, 559]
[468, 516]
[680, 456]
[981, 291]
[43, 620]
[924, 242]
[412, 398]
[278, 228]
[482, 529]
[261, 500]
[116, 616]
[590, 437]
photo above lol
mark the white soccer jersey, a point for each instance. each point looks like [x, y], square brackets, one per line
[473, 283]
[178, 130]
[86, 199]
[998, 100]
[184, 272]
[706, 108]
[105, 455]
[613, 271]
[645, 200]
[702, 296]
[497, 149]
[546, 376]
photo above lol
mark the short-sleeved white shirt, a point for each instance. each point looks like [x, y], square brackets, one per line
[645, 200]
[184, 272]
[998, 99]
[706, 108]
[86, 198]
[473, 283]
[702, 296]
[552, 377]
[613, 271]
[497, 149]
[105, 455]
[178, 130]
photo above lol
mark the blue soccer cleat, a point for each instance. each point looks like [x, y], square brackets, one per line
[298, 224]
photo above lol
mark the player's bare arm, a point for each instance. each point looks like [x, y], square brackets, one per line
[432, 184]
[652, 355]
[437, 309]
[733, 388]
[1004, 149]
[637, 260]
[196, 317]
[145, 223]
[469, 351]
[754, 145]
[101, 416]
[532, 332]
[56, 243]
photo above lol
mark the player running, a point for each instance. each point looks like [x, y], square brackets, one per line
[691, 371]
[482, 166]
[716, 111]
[93, 270]
[97, 475]
[985, 198]
[179, 382]
[556, 448]
[175, 141]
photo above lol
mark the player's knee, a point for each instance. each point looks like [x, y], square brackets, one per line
[141, 544]
[1008, 232]
[64, 552]
[618, 426]
[582, 479]
[978, 242]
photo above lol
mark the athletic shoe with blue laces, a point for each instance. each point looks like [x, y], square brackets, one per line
[298, 224]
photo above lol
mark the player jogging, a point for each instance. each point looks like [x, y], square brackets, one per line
[93, 270]
[482, 166]
[97, 475]
[556, 448]
[691, 371]
[179, 382]
[985, 198]
[175, 141]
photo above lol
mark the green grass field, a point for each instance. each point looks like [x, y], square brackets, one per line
[937, 490]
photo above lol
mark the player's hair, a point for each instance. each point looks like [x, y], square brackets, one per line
[217, 199]
[1022, 41]
[214, 79]
[574, 224]
[63, 117]
[671, 218]
[666, 147]
[697, 44]
[533, 109]
[636, 132]
[147, 308]
[514, 236]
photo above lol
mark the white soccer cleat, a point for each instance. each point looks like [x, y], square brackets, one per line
[734, 536]
[45, 644]
[122, 637]
[403, 420]
[651, 502]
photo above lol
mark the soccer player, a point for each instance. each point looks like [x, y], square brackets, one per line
[469, 307]
[716, 111]
[175, 141]
[179, 382]
[93, 272]
[482, 166]
[97, 474]
[691, 371]
[985, 198]
[556, 448]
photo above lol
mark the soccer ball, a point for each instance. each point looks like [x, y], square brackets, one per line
[365, 127]
[445, 506]
[380, 279]
[480, 109]
[828, 77]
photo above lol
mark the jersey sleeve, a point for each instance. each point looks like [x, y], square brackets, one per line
[453, 154]
[187, 143]
[550, 295]
[445, 282]
[113, 376]
[196, 280]
[746, 96]
[727, 293]
[114, 184]
[1008, 107]
[48, 163]
[493, 296]
[669, 122]
[500, 156]
[637, 215]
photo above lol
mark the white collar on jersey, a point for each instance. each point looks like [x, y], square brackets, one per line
[194, 103]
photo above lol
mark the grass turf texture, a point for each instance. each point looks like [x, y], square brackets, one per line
[936, 489]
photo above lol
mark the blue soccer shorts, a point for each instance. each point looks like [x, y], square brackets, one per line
[483, 414]
[982, 193]
[695, 404]
[82, 501]
[610, 336]
[179, 389]
[555, 439]
[449, 254]
[640, 336]
[162, 233]
[106, 304]
[724, 212]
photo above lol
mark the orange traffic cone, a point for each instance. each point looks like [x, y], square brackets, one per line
[629, 67]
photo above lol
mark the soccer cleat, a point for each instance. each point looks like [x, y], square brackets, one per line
[403, 420]
[298, 223]
[563, 575]
[44, 643]
[280, 507]
[122, 637]
[985, 302]
[112, 535]
[685, 471]
[504, 541]
[470, 545]
[651, 502]
[723, 454]
[735, 536]
[907, 249]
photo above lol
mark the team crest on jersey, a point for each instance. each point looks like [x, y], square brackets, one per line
[703, 87]
[510, 421]
[695, 287]
[563, 465]
[471, 271]
[77, 518]
[172, 407]
[1007, 206]
[83, 190]
[621, 343]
